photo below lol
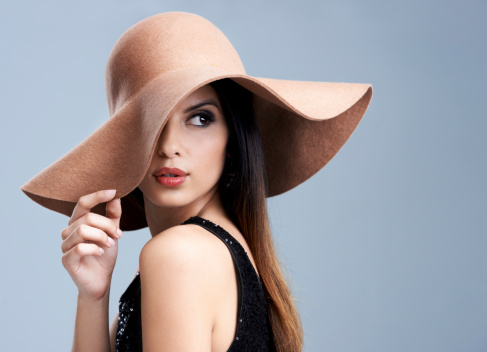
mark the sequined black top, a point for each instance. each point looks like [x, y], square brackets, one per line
[253, 333]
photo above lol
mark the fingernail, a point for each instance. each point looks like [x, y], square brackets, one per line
[111, 242]
[110, 192]
[101, 250]
[120, 233]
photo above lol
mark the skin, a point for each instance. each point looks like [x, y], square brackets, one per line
[189, 289]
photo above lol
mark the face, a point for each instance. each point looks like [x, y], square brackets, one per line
[190, 153]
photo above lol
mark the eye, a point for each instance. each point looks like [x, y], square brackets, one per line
[201, 119]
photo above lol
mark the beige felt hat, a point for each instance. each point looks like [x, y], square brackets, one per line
[153, 66]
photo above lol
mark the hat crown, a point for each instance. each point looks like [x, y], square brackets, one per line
[163, 43]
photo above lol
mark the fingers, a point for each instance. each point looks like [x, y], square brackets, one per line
[94, 220]
[85, 233]
[114, 211]
[73, 256]
[85, 203]
[88, 233]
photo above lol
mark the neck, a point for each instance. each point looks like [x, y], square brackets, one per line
[162, 218]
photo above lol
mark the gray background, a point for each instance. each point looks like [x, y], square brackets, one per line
[386, 245]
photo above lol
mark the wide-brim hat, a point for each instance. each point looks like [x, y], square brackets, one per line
[153, 66]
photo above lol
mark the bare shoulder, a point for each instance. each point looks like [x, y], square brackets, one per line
[183, 245]
[184, 273]
[186, 257]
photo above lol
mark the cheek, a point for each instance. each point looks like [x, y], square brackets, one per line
[208, 155]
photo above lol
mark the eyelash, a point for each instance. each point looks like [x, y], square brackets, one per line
[210, 118]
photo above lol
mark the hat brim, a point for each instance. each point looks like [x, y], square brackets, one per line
[303, 125]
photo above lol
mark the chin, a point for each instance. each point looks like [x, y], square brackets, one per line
[170, 200]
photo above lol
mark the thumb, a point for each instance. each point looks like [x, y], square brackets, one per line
[114, 211]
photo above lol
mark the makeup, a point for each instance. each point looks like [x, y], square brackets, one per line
[170, 177]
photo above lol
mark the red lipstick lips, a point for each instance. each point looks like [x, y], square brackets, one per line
[170, 177]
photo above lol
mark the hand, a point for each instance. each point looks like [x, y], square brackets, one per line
[90, 244]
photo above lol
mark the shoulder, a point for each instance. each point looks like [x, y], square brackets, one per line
[183, 244]
[184, 273]
[186, 257]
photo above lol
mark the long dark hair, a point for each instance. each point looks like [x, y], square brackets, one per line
[243, 190]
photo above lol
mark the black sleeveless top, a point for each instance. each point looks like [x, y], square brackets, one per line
[253, 333]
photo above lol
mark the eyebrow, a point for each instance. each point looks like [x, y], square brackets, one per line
[203, 103]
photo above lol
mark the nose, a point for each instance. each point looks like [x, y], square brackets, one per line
[168, 145]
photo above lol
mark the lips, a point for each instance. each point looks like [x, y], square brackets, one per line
[170, 177]
[170, 172]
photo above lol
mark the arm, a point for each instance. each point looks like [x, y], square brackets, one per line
[90, 246]
[91, 325]
[179, 290]
[113, 333]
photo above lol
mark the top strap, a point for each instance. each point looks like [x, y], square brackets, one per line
[236, 249]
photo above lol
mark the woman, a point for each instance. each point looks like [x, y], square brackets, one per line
[182, 154]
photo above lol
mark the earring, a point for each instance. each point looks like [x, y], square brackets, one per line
[230, 177]
[229, 180]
